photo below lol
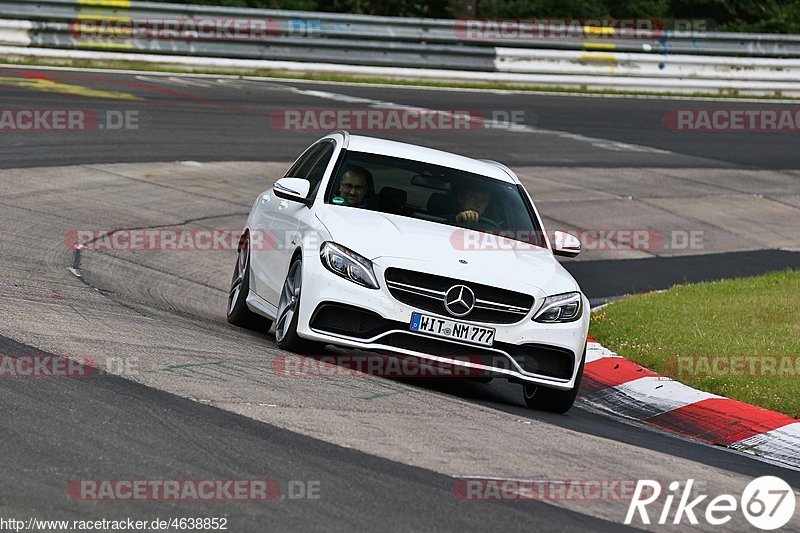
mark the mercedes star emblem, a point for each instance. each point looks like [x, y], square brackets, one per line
[459, 300]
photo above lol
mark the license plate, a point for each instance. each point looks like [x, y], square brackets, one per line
[450, 329]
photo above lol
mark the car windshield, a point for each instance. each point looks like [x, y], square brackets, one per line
[434, 193]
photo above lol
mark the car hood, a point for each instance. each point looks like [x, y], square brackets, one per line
[397, 240]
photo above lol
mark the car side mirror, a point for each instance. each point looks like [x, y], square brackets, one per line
[565, 244]
[293, 189]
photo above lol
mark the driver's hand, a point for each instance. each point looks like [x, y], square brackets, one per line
[467, 216]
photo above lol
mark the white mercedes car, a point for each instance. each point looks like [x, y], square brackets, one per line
[398, 249]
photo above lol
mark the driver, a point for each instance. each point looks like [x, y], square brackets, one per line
[472, 202]
[355, 186]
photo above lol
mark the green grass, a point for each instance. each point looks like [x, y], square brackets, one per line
[377, 80]
[757, 317]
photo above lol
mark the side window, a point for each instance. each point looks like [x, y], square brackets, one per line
[303, 164]
[318, 169]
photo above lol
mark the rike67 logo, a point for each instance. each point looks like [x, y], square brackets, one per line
[768, 503]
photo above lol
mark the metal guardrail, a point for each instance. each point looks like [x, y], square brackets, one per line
[359, 41]
[390, 32]
[282, 48]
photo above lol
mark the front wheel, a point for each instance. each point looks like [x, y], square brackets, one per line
[289, 310]
[553, 400]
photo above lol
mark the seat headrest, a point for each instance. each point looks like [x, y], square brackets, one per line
[392, 200]
[439, 204]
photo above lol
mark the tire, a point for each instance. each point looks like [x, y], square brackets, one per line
[553, 400]
[288, 311]
[238, 312]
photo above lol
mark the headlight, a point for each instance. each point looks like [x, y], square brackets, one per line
[565, 307]
[348, 264]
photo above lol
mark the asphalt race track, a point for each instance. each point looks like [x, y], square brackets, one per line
[183, 395]
[231, 120]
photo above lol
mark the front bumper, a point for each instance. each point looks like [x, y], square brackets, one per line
[526, 351]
